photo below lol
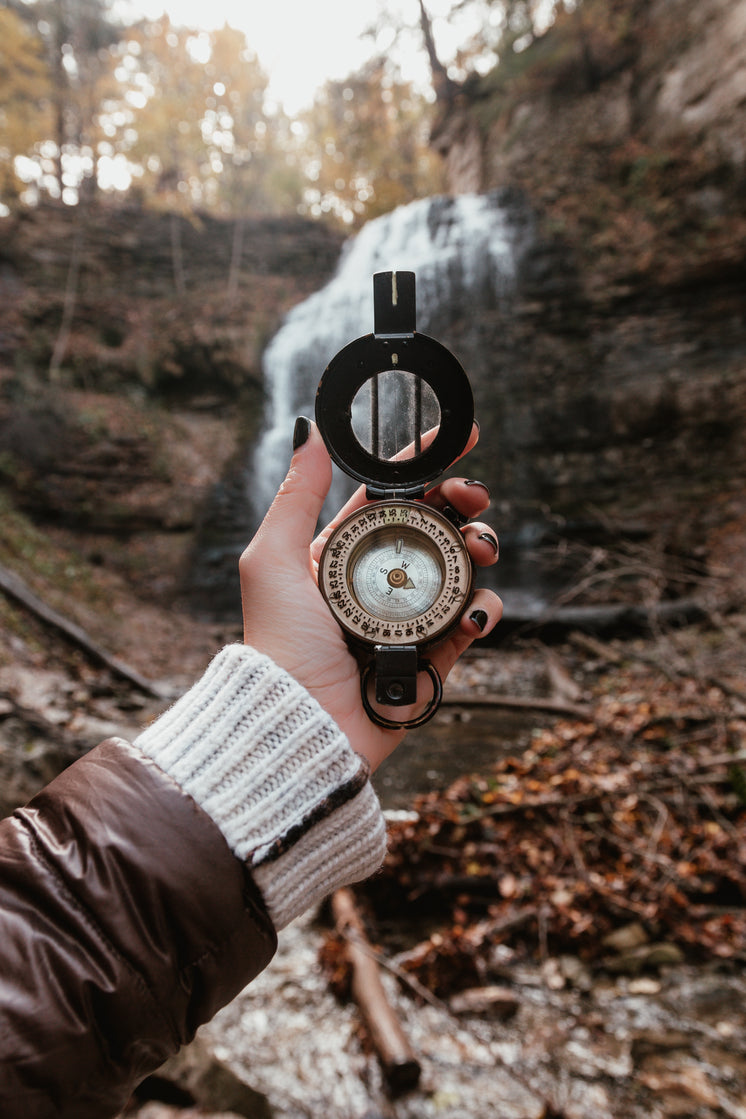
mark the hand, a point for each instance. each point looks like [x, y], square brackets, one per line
[286, 617]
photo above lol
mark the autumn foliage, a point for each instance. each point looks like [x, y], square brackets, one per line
[635, 817]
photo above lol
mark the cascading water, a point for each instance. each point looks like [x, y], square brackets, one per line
[465, 252]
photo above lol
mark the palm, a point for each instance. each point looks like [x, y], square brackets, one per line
[286, 617]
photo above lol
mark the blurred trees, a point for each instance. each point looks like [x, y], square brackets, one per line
[486, 30]
[365, 146]
[25, 119]
[180, 118]
[72, 37]
[187, 117]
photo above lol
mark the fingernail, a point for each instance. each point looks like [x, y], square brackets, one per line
[480, 618]
[490, 540]
[476, 482]
[301, 432]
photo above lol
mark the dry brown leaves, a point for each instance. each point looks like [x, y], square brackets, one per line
[638, 816]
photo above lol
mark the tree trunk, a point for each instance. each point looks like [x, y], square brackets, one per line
[176, 255]
[442, 84]
[70, 300]
[400, 1066]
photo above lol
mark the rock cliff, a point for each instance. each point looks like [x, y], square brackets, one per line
[642, 100]
[615, 382]
[130, 380]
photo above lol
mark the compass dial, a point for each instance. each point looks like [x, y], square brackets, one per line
[396, 573]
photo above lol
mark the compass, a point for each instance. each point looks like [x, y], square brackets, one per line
[395, 409]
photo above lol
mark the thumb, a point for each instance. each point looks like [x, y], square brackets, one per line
[290, 523]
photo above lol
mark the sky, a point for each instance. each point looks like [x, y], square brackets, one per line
[303, 43]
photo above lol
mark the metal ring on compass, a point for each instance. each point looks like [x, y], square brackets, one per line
[403, 724]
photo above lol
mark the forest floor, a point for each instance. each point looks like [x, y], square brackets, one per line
[561, 928]
[561, 934]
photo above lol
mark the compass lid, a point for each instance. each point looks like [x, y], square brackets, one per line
[394, 346]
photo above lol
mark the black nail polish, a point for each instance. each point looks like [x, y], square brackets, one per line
[476, 482]
[490, 540]
[301, 432]
[480, 618]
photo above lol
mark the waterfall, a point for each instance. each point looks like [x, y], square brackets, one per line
[465, 252]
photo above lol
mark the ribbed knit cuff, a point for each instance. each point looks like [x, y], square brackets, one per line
[277, 776]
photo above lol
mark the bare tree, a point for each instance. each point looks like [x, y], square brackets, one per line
[443, 85]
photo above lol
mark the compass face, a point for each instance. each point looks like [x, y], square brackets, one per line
[396, 573]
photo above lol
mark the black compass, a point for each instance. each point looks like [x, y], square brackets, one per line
[396, 573]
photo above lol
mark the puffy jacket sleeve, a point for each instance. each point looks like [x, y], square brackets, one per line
[141, 890]
[125, 922]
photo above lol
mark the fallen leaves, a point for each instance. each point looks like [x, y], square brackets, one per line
[635, 817]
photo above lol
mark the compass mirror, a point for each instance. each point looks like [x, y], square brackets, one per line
[391, 412]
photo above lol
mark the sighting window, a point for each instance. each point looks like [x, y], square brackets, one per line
[391, 412]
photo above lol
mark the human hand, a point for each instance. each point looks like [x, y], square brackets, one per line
[286, 617]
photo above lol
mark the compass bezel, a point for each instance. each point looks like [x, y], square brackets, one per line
[362, 360]
[414, 518]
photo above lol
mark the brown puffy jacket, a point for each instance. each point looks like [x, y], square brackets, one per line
[125, 922]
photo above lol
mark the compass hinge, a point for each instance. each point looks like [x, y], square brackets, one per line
[385, 493]
[395, 671]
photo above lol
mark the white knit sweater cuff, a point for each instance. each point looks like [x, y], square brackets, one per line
[277, 776]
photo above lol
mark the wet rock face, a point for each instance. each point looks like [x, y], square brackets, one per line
[159, 381]
[614, 377]
[699, 90]
[664, 74]
[164, 306]
[613, 406]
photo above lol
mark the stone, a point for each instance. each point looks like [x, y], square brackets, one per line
[489, 1002]
[653, 956]
[627, 938]
[575, 973]
[212, 1084]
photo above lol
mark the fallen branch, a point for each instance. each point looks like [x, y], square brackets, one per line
[516, 703]
[563, 688]
[596, 648]
[607, 653]
[614, 617]
[401, 1067]
[489, 930]
[403, 976]
[15, 588]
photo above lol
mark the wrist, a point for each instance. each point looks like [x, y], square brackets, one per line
[277, 776]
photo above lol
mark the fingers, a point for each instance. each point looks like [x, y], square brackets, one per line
[467, 496]
[482, 543]
[485, 611]
[483, 614]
